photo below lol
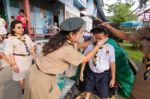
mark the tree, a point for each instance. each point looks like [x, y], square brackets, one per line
[121, 12]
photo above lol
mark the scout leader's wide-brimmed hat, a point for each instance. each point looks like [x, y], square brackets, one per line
[71, 24]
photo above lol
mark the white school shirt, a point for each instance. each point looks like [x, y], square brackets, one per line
[105, 56]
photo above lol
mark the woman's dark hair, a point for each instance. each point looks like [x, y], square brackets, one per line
[13, 26]
[56, 41]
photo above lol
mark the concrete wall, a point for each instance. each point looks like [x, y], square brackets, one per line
[88, 23]
[37, 20]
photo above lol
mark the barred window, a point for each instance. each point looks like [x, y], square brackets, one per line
[16, 3]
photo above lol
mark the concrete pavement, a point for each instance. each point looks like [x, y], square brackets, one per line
[8, 88]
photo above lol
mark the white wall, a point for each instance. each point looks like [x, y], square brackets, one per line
[71, 12]
[88, 23]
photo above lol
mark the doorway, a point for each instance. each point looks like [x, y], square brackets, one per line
[56, 19]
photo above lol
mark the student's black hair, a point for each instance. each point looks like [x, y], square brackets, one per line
[98, 30]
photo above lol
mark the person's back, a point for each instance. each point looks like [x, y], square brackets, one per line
[2, 26]
[2, 22]
[22, 17]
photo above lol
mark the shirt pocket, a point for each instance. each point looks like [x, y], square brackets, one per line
[105, 56]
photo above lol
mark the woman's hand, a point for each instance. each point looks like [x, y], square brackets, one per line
[15, 68]
[112, 83]
[101, 42]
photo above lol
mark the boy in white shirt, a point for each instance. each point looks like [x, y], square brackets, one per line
[100, 75]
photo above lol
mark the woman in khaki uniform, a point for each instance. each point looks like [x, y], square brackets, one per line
[20, 50]
[57, 54]
[141, 87]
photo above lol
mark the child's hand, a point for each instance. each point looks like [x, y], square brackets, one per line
[81, 77]
[112, 83]
[15, 68]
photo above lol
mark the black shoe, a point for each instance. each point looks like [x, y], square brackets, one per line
[22, 91]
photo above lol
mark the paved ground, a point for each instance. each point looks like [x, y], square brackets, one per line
[11, 90]
[94, 97]
[8, 88]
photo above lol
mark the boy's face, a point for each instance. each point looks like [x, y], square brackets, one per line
[100, 36]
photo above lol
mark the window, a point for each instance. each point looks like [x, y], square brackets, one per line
[16, 3]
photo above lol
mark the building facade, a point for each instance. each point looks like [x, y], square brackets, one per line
[39, 11]
[144, 12]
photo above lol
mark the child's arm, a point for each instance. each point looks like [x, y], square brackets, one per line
[4, 57]
[113, 74]
[82, 71]
[112, 66]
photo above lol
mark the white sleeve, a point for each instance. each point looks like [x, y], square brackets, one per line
[112, 54]
[31, 44]
[88, 49]
[9, 48]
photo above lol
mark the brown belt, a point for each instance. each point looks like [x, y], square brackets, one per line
[45, 73]
[21, 54]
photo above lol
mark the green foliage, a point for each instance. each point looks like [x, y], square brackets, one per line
[132, 52]
[121, 12]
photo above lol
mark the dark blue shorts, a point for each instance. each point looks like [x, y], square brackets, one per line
[98, 83]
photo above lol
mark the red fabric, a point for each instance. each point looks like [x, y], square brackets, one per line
[23, 20]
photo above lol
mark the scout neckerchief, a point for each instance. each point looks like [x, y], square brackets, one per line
[146, 61]
[25, 44]
[96, 55]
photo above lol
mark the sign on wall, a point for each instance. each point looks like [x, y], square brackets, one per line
[42, 13]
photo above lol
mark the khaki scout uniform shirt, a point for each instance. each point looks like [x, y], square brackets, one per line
[40, 85]
[141, 87]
